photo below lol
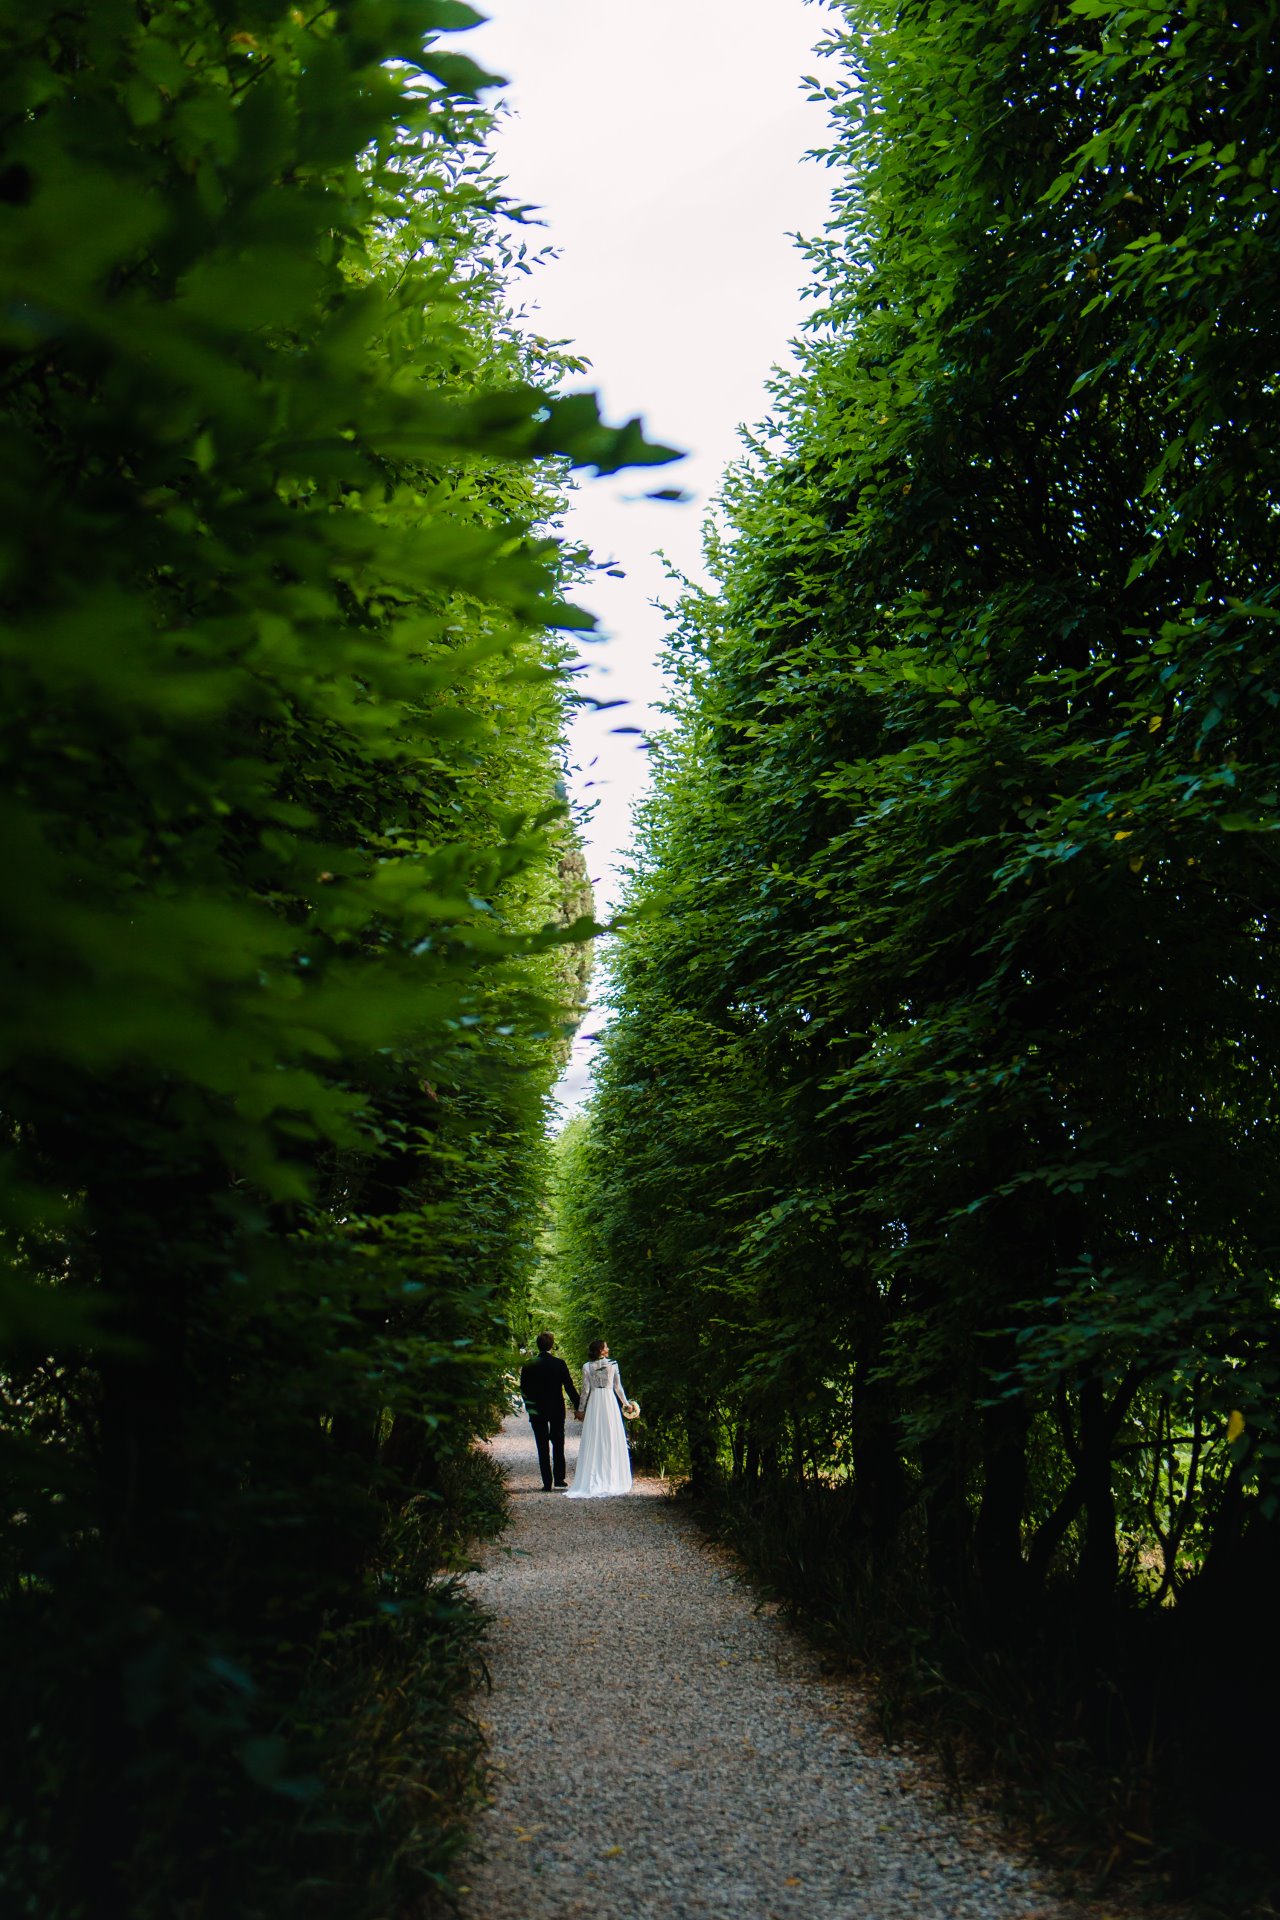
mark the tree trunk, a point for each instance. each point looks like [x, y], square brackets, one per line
[879, 1479]
[998, 1531]
[946, 1517]
[702, 1449]
[1100, 1561]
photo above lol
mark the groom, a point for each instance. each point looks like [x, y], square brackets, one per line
[544, 1383]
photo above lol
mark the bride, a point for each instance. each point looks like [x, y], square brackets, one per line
[604, 1465]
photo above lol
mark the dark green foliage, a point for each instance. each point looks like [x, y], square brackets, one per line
[931, 1156]
[290, 904]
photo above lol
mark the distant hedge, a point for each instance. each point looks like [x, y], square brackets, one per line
[290, 903]
[931, 1160]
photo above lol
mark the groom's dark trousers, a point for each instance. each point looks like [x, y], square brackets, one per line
[544, 1383]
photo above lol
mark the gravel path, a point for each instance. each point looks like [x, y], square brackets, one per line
[659, 1748]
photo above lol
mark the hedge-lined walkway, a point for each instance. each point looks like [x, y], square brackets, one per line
[660, 1748]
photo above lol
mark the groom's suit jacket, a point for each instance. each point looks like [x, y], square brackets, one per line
[544, 1383]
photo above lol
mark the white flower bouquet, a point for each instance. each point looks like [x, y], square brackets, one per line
[631, 1409]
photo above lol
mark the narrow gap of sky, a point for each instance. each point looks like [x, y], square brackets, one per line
[663, 146]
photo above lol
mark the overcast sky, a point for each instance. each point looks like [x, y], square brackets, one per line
[664, 146]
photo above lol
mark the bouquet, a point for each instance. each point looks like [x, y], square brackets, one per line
[631, 1409]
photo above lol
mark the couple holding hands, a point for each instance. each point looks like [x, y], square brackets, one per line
[604, 1464]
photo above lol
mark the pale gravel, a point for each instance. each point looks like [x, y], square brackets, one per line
[659, 1745]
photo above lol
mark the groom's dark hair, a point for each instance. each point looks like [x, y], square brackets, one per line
[595, 1349]
[545, 1342]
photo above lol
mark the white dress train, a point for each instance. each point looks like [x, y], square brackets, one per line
[604, 1464]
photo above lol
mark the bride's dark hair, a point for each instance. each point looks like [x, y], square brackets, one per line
[595, 1349]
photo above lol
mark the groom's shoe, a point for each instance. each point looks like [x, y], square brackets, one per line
[561, 1486]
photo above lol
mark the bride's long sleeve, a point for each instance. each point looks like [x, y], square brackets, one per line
[617, 1387]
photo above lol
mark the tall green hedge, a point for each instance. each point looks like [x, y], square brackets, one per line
[931, 1156]
[290, 903]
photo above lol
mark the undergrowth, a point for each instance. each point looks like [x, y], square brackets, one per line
[329, 1777]
[395, 1686]
[1130, 1764]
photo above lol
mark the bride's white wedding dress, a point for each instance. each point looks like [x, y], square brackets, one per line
[604, 1464]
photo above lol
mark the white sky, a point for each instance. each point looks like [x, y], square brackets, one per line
[663, 145]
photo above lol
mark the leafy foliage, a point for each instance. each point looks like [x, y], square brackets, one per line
[929, 1163]
[294, 922]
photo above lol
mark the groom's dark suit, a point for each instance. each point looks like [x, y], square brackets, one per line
[544, 1383]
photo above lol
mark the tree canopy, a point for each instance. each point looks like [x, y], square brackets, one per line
[294, 927]
[929, 1158]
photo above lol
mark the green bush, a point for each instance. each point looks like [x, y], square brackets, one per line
[294, 921]
[930, 1151]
